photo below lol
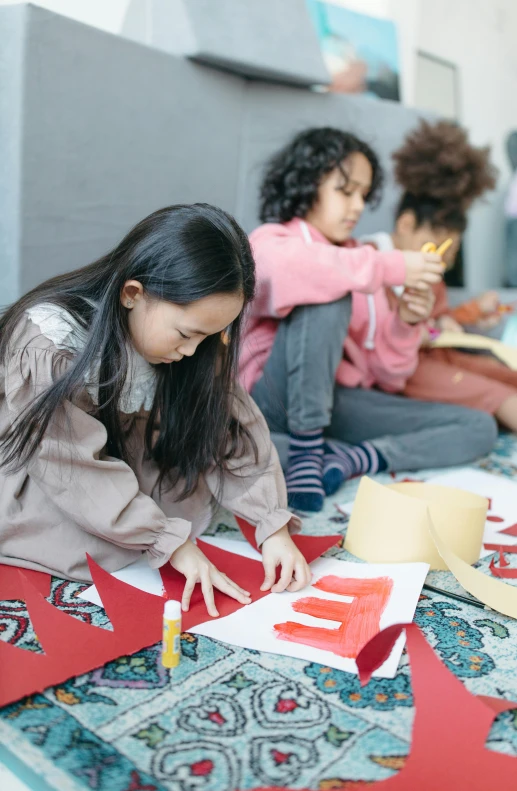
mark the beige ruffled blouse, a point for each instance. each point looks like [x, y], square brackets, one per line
[73, 499]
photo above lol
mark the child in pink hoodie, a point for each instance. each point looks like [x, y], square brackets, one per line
[326, 327]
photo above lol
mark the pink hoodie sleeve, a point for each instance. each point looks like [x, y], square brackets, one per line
[292, 273]
[395, 356]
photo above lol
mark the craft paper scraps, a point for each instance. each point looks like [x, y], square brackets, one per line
[11, 586]
[450, 727]
[389, 524]
[153, 581]
[501, 519]
[72, 647]
[330, 621]
[464, 340]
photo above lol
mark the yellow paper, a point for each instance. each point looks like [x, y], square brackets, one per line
[492, 592]
[466, 340]
[408, 522]
[389, 523]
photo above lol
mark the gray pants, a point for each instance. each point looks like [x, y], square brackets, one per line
[298, 392]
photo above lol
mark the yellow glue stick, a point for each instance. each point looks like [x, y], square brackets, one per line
[171, 634]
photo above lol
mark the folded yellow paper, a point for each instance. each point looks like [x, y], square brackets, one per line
[408, 522]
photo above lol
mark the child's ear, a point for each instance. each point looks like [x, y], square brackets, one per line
[131, 292]
[406, 223]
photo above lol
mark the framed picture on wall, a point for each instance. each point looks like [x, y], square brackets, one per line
[436, 86]
[360, 51]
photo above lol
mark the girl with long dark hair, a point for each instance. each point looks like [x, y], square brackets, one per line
[120, 419]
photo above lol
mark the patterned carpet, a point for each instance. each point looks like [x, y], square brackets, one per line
[229, 718]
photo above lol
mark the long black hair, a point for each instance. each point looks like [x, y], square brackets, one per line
[293, 175]
[179, 254]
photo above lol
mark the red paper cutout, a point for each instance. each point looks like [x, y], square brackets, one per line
[311, 547]
[502, 560]
[359, 618]
[72, 647]
[511, 549]
[450, 728]
[510, 531]
[11, 586]
[500, 571]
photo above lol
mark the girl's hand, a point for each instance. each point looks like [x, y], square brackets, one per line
[422, 269]
[280, 550]
[195, 566]
[448, 324]
[416, 306]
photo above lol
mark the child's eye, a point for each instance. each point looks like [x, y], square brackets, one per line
[186, 337]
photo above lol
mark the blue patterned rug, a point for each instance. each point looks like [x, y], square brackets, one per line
[230, 718]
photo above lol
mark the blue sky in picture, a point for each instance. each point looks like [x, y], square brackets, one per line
[371, 39]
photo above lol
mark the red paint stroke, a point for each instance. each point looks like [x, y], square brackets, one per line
[502, 572]
[359, 619]
[510, 531]
[489, 503]
[495, 519]
[450, 727]
[11, 583]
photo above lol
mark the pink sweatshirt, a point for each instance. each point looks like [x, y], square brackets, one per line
[297, 265]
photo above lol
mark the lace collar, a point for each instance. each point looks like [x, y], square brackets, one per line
[62, 329]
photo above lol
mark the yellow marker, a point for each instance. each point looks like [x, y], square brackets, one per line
[171, 634]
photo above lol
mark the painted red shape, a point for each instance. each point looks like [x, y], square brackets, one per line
[494, 519]
[359, 619]
[510, 531]
[202, 768]
[285, 705]
[217, 717]
[450, 727]
[280, 758]
[11, 586]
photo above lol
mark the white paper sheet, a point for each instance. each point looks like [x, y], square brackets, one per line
[253, 625]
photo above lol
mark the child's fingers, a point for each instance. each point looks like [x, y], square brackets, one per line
[208, 593]
[234, 584]
[226, 585]
[302, 577]
[190, 584]
[285, 577]
[270, 574]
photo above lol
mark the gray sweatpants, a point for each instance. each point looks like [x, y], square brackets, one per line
[298, 392]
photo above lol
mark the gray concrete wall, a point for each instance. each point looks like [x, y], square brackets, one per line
[275, 113]
[97, 131]
[12, 51]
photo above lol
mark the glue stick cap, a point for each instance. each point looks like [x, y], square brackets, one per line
[172, 610]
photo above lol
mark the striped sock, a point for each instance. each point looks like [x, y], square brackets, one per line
[304, 471]
[341, 463]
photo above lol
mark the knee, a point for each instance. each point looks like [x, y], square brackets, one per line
[330, 315]
[483, 430]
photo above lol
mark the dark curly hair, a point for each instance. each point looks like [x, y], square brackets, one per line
[293, 175]
[441, 174]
